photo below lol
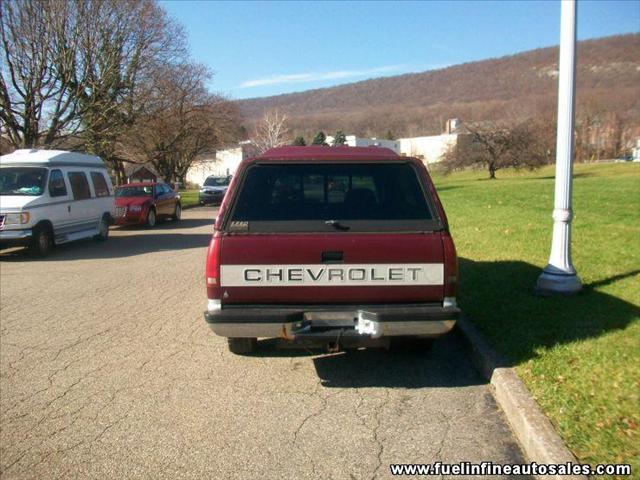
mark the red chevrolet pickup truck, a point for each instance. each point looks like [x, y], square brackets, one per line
[337, 246]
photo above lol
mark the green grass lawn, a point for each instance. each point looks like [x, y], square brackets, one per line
[189, 198]
[580, 355]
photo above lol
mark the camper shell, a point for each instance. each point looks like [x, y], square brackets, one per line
[341, 246]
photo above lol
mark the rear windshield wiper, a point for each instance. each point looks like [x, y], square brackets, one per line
[336, 224]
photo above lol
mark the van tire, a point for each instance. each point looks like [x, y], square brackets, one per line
[242, 346]
[151, 218]
[177, 215]
[41, 241]
[103, 234]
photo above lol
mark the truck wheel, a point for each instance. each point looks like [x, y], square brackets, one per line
[103, 230]
[41, 242]
[151, 218]
[242, 346]
[178, 213]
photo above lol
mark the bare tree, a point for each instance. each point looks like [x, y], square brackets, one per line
[81, 70]
[124, 48]
[495, 146]
[182, 121]
[271, 131]
[39, 78]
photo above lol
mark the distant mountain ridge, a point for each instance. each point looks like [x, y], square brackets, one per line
[516, 86]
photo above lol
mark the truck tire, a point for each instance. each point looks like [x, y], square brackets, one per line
[241, 346]
[41, 242]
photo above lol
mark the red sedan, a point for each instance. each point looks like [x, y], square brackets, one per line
[145, 203]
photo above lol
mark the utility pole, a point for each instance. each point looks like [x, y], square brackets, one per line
[560, 276]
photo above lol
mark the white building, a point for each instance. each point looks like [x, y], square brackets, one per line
[225, 163]
[430, 149]
[354, 141]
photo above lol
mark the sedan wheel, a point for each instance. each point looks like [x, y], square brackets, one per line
[151, 218]
[178, 213]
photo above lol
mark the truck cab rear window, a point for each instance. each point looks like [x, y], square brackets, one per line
[306, 196]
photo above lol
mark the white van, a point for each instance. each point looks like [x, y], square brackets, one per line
[49, 197]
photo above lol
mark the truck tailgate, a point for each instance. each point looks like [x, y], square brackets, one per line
[331, 268]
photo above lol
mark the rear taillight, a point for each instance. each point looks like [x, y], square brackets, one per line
[212, 270]
[450, 270]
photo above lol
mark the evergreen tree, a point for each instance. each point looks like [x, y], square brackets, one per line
[389, 135]
[340, 138]
[299, 141]
[319, 139]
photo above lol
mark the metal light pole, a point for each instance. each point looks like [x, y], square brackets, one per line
[559, 276]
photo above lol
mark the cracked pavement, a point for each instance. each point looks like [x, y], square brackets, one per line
[108, 370]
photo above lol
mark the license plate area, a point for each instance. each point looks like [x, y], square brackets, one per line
[329, 319]
[356, 322]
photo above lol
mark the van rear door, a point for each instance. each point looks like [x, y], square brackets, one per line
[328, 233]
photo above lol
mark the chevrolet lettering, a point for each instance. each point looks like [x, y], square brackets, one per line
[340, 247]
[323, 275]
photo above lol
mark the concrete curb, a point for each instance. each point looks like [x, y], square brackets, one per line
[534, 431]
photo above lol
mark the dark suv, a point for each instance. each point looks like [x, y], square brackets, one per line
[213, 190]
[342, 246]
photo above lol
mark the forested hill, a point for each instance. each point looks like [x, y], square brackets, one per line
[522, 85]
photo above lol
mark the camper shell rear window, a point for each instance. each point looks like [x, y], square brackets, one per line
[328, 197]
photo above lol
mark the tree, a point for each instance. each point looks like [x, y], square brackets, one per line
[299, 141]
[272, 131]
[319, 139]
[125, 49]
[494, 146]
[389, 135]
[80, 71]
[340, 138]
[39, 83]
[182, 122]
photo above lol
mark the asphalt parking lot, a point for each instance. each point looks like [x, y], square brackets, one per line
[108, 370]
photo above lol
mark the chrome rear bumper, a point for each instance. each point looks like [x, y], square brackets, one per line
[322, 322]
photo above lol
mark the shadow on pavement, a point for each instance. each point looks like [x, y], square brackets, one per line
[498, 298]
[445, 364]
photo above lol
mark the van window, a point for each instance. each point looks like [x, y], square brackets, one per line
[22, 181]
[79, 185]
[99, 184]
[57, 188]
[307, 197]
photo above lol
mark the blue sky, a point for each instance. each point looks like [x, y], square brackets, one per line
[267, 48]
